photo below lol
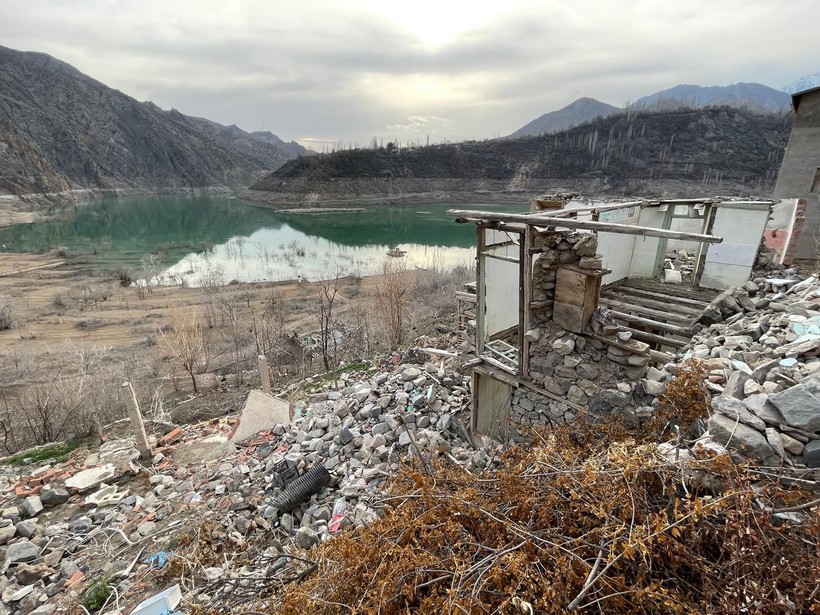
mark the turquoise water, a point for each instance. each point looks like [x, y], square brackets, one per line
[182, 240]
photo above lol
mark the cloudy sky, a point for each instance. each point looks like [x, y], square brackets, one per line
[321, 71]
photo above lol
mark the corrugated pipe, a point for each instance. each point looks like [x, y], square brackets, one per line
[302, 488]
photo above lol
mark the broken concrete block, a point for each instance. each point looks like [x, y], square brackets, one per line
[261, 413]
[85, 480]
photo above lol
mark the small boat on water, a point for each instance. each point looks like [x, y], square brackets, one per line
[396, 252]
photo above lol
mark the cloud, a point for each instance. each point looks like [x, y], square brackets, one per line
[351, 69]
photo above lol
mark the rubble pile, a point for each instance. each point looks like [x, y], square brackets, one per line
[107, 513]
[764, 370]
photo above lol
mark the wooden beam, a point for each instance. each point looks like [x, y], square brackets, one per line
[645, 311]
[483, 217]
[654, 324]
[509, 259]
[695, 303]
[667, 305]
[651, 337]
[561, 213]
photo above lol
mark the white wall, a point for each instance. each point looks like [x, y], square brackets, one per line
[729, 264]
[646, 248]
[616, 248]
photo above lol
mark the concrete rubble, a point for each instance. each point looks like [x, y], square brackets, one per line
[96, 517]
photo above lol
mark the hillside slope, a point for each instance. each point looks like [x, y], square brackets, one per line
[652, 153]
[578, 112]
[62, 130]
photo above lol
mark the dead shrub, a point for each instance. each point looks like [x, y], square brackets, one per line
[563, 527]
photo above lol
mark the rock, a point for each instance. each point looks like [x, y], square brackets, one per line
[760, 406]
[81, 525]
[147, 528]
[306, 538]
[811, 454]
[734, 385]
[7, 533]
[23, 551]
[743, 438]
[773, 438]
[31, 573]
[26, 529]
[46, 609]
[799, 408]
[32, 506]
[795, 447]
[734, 409]
[410, 373]
[563, 346]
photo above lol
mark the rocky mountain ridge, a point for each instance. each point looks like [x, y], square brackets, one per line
[61, 131]
[648, 153]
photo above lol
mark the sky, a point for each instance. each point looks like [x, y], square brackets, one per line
[325, 72]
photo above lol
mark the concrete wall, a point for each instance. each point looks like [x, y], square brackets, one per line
[801, 164]
[730, 263]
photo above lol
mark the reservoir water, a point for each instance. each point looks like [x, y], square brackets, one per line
[180, 240]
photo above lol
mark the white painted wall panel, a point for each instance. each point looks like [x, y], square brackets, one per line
[646, 248]
[730, 263]
[501, 282]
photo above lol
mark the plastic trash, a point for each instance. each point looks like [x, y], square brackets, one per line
[339, 509]
[158, 559]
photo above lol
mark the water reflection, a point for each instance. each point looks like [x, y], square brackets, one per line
[175, 240]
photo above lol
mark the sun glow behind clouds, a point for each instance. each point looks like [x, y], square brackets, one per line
[437, 22]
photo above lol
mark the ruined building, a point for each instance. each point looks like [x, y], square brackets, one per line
[576, 303]
[800, 172]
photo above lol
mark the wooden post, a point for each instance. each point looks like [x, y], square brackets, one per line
[136, 422]
[264, 374]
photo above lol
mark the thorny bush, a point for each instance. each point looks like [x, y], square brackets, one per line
[565, 525]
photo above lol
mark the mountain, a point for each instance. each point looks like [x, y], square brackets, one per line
[752, 96]
[688, 152]
[61, 130]
[581, 111]
[265, 148]
[804, 83]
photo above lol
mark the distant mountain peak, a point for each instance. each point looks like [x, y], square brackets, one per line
[753, 96]
[577, 112]
[807, 82]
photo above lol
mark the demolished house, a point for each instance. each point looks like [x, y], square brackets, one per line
[576, 302]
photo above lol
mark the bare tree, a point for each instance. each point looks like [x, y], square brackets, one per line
[187, 342]
[393, 290]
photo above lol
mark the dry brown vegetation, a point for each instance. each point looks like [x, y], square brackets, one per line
[77, 335]
[582, 521]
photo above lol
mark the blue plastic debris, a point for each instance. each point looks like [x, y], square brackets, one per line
[158, 559]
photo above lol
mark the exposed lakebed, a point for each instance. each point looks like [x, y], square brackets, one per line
[182, 239]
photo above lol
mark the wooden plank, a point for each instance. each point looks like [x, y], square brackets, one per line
[569, 317]
[633, 346]
[654, 324]
[665, 306]
[644, 311]
[464, 296]
[692, 303]
[482, 217]
[658, 339]
[526, 301]
[570, 287]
